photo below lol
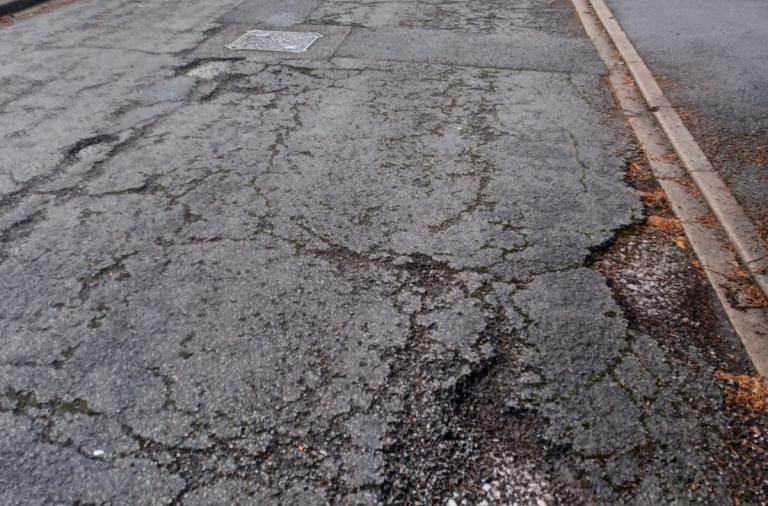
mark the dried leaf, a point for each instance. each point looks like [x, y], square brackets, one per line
[755, 297]
[746, 392]
[681, 242]
[654, 197]
[668, 225]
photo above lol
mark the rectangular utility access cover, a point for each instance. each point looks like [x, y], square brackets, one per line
[263, 40]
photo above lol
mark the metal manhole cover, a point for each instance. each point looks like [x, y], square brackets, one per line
[262, 40]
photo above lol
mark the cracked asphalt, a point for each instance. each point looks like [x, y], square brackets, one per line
[363, 275]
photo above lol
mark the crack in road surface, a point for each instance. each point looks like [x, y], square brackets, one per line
[326, 281]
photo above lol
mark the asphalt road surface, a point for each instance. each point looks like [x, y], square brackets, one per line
[711, 58]
[360, 275]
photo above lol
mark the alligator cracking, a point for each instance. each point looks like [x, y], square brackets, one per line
[257, 293]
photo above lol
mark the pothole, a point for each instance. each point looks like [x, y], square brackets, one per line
[464, 444]
[657, 279]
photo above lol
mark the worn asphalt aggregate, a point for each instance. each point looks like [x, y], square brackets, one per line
[361, 275]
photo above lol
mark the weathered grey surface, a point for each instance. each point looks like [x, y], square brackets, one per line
[284, 13]
[525, 49]
[712, 59]
[549, 17]
[338, 281]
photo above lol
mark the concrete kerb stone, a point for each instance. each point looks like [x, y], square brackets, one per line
[707, 240]
[740, 230]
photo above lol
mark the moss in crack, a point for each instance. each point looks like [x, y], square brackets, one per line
[25, 401]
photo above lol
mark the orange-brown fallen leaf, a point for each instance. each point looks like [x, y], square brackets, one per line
[755, 297]
[639, 172]
[668, 225]
[761, 157]
[707, 219]
[746, 392]
[654, 197]
[689, 186]
[669, 157]
[681, 242]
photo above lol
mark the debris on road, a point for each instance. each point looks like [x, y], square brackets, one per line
[745, 391]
